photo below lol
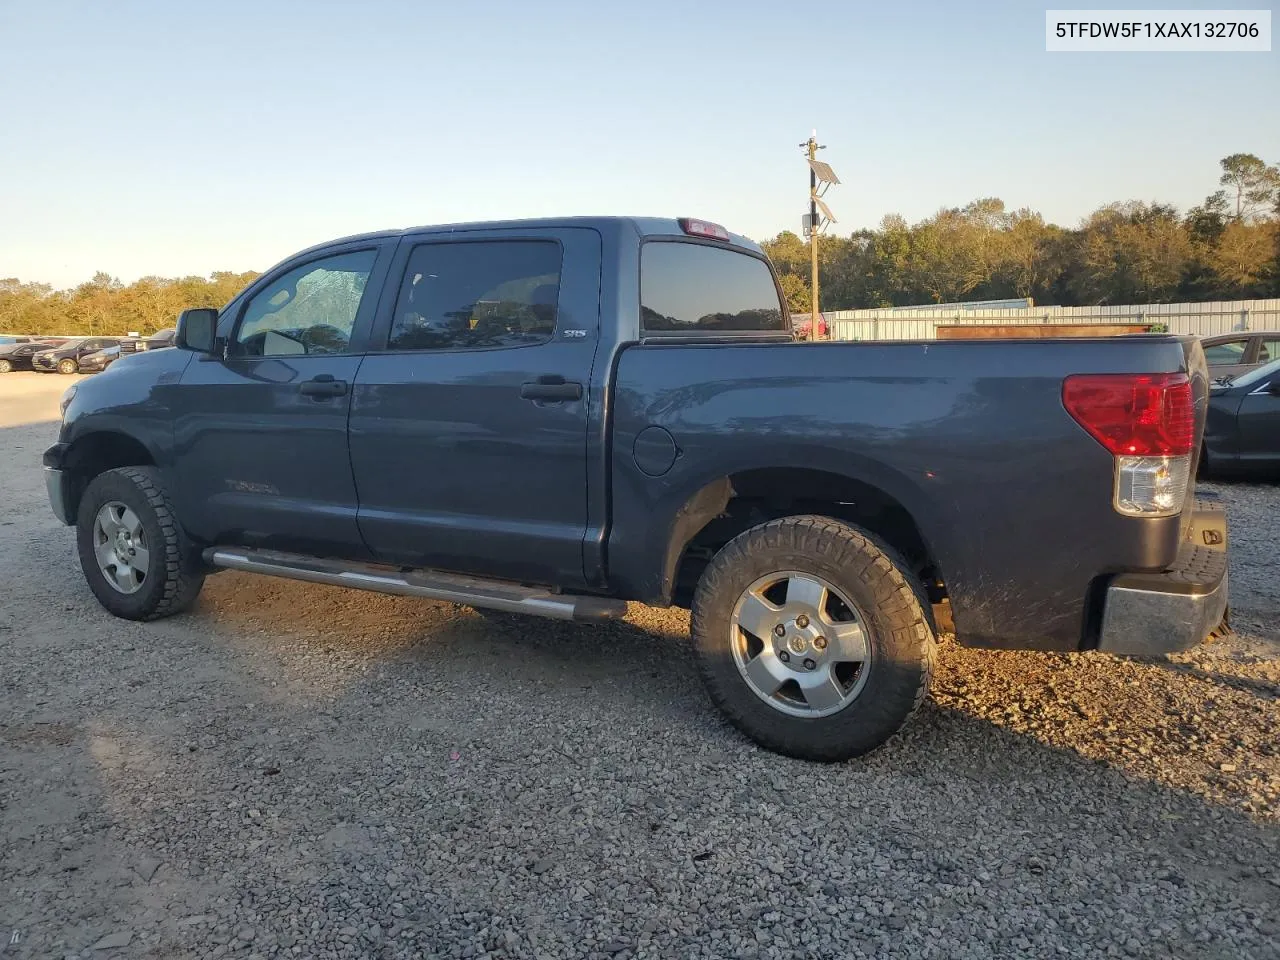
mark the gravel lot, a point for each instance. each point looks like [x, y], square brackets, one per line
[299, 771]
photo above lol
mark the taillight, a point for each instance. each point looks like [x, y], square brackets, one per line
[1147, 414]
[701, 228]
[1147, 422]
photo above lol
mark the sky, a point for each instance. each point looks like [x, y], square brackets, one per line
[167, 138]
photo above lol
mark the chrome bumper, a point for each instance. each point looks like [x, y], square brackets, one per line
[1151, 614]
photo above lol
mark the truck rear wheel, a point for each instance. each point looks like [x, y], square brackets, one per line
[135, 556]
[811, 636]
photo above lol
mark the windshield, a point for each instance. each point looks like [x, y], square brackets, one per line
[1253, 377]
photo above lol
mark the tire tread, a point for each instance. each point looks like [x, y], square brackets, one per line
[182, 578]
[899, 598]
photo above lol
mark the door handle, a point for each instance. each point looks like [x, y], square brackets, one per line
[551, 387]
[322, 386]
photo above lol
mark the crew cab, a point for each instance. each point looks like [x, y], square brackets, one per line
[556, 417]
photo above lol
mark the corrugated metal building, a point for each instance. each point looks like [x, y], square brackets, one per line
[921, 323]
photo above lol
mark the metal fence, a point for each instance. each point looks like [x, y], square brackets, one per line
[1199, 319]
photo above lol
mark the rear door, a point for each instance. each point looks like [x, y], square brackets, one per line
[469, 420]
[1268, 349]
[261, 432]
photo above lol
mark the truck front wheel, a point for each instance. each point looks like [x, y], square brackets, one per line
[134, 554]
[812, 638]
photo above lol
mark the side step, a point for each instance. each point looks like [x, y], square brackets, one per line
[431, 584]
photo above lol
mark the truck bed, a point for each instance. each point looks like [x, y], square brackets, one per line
[1011, 498]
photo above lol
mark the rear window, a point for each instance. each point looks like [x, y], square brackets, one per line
[692, 288]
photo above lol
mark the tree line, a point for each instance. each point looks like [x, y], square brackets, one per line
[104, 306]
[1227, 248]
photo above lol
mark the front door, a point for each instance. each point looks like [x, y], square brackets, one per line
[261, 435]
[469, 426]
[1258, 423]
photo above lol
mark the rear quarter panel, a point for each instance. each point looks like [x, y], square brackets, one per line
[1012, 496]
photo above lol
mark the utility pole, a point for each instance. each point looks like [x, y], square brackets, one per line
[821, 176]
[813, 237]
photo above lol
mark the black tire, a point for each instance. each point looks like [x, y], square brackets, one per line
[67, 366]
[173, 577]
[870, 574]
[6, 366]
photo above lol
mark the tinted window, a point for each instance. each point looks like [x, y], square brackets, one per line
[1268, 350]
[1230, 352]
[309, 310]
[694, 288]
[465, 296]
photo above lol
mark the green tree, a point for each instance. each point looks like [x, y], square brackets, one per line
[1243, 259]
[1254, 186]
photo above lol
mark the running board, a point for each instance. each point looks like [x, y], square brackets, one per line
[431, 584]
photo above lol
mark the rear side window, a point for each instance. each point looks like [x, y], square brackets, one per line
[480, 294]
[1268, 350]
[1222, 353]
[692, 288]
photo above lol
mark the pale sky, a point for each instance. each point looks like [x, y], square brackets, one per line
[172, 138]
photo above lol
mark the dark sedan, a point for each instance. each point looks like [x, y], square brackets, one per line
[100, 360]
[66, 358]
[1242, 433]
[17, 356]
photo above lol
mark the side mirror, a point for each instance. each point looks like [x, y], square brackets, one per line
[197, 330]
[1274, 389]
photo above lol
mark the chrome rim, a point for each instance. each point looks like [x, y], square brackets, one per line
[802, 646]
[120, 546]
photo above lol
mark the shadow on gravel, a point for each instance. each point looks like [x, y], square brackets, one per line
[1168, 722]
[1263, 689]
[197, 783]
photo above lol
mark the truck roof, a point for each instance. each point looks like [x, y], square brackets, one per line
[644, 226]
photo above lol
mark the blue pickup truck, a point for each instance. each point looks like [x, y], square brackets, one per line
[556, 417]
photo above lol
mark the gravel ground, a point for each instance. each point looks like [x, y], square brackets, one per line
[298, 771]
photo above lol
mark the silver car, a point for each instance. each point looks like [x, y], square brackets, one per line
[1231, 354]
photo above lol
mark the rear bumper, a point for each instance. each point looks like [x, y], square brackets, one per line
[1151, 614]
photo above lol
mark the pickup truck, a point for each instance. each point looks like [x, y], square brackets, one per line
[556, 417]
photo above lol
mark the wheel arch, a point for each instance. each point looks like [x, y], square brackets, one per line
[726, 506]
[92, 454]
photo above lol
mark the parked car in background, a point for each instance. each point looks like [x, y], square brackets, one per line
[800, 323]
[1242, 432]
[157, 341]
[66, 358]
[17, 356]
[100, 360]
[161, 339]
[1231, 354]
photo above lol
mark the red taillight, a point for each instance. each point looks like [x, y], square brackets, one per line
[1144, 415]
[701, 228]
